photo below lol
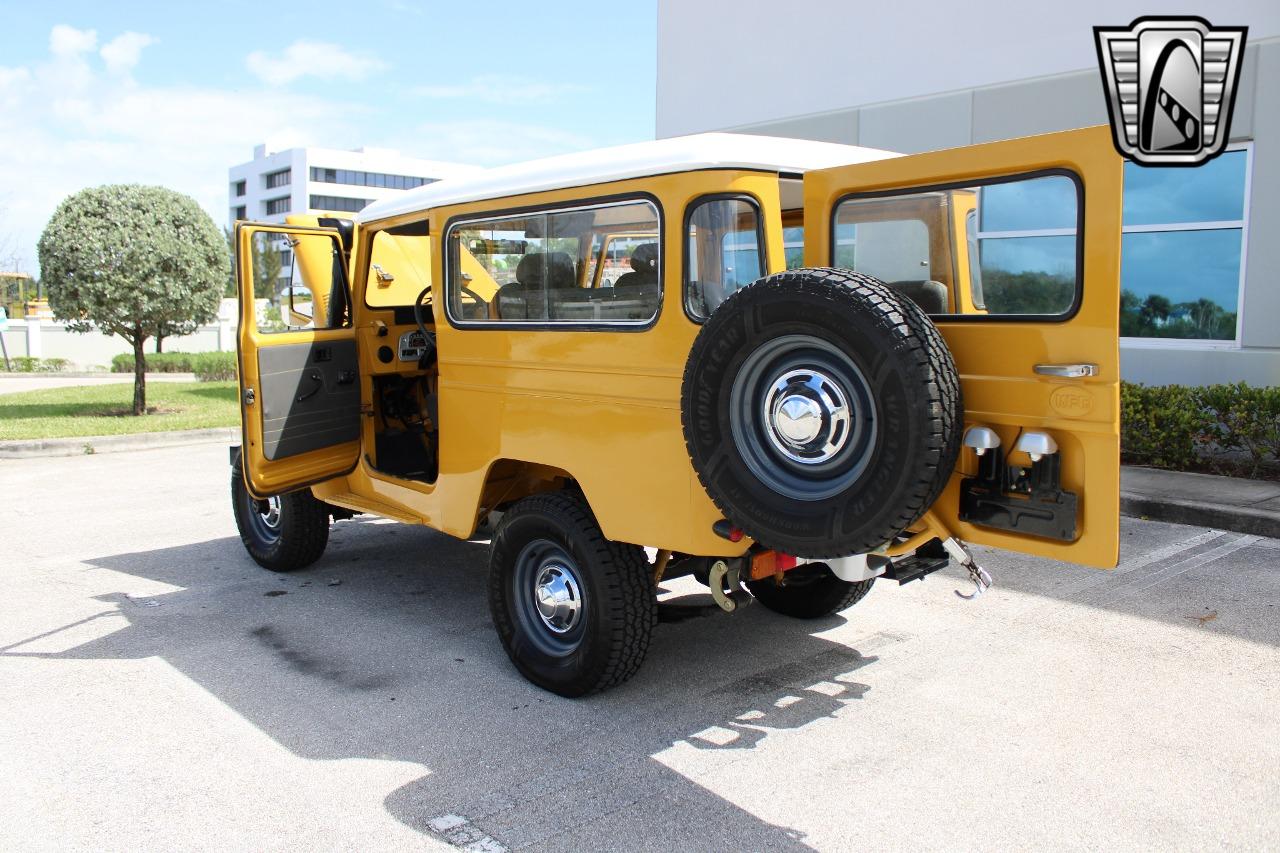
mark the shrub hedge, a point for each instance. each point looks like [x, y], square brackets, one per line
[30, 364]
[1229, 428]
[207, 366]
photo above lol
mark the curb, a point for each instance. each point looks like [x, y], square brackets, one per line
[91, 444]
[1237, 519]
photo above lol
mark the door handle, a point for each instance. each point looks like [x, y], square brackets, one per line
[1067, 371]
[315, 377]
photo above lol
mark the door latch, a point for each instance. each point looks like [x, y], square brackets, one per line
[1067, 371]
[249, 397]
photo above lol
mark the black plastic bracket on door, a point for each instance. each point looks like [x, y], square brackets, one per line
[1020, 500]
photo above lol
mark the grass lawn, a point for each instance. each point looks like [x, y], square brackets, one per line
[102, 409]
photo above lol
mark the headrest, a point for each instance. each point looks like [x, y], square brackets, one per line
[644, 258]
[557, 267]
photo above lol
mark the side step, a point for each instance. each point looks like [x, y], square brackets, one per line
[907, 569]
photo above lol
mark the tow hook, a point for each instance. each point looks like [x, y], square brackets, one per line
[978, 575]
[723, 576]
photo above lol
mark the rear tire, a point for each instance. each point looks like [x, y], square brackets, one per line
[809, 592]
[282, 533]
[574, 610]
[821, 411]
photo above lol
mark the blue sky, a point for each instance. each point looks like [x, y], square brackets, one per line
[174, 93]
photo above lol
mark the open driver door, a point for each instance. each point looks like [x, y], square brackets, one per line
[299, 375]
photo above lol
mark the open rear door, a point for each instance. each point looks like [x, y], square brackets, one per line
[1013, 248]
[299, 376]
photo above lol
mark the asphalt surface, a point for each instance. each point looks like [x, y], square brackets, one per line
[159, 691]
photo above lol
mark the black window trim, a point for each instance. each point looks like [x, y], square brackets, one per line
[587, 203]
[694, 203]
[1078, 295]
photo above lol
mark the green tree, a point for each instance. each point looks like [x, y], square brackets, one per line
[1155, 309]
[133, 261]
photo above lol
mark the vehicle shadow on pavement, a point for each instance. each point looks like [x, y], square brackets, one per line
[385, 650]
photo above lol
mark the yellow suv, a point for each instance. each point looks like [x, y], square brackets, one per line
[602, 363]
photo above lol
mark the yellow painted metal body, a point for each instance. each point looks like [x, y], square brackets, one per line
[522, 409]
[996, 358]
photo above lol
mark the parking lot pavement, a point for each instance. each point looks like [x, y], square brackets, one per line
[161, 691]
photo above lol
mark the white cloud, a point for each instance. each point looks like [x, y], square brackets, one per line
[122, 52]
[310, 58]
[500, 89]
[69, 124]
[67, 41]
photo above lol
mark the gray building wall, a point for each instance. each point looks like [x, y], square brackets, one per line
[1075, 99]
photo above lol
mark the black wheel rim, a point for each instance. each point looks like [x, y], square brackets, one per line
[549, 598]
[803, 417]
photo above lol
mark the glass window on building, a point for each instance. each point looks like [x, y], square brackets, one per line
[279, 179]
[277, 206]
[1183, 249]
[365, 179]
[337, 203]
[239, 188]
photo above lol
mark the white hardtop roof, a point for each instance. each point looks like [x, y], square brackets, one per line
[638, 160]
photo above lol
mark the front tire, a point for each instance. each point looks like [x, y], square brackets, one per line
[811, 591]
[283, 533]
[574, 610]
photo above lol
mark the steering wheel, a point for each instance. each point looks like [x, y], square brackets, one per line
[428, 338]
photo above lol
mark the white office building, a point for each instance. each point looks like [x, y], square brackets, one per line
[297, 180]
[1201, 262]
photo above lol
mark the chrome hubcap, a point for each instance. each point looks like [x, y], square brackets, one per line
[558, 598]
[269, 510]
[807, 416]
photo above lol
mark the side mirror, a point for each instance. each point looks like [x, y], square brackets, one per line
[301, 308]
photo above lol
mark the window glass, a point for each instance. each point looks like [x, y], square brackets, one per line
[1212, 192]
[1020, 235]
[1180, 284]
[533, 268]
[337, 203]
[793, 246]
[399, 267]
[298, 282]
[1027, 275]
[724, 252]
[1037, 204]
[1180, 268]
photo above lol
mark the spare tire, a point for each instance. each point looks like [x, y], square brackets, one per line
[821, 411]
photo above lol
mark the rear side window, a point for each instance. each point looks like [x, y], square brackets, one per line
[1021, 238]
[724, 250]
[550, 267]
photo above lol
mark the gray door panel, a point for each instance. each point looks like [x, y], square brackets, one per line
[310, 397]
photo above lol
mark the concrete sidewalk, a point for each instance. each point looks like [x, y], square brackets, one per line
[1225, 503]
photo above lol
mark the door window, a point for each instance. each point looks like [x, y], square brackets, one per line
[1020, 239]
[298, 282]
[724, 251]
